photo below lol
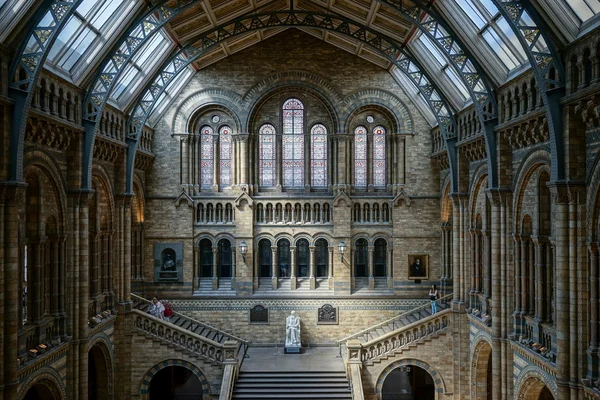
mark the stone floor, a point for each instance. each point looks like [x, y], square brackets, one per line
[311, 359]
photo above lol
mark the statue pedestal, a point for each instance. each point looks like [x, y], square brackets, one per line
[292, 350]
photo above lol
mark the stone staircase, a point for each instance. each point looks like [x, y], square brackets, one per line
[190, 325]
[395, 335]
[313, 385]
[205, 288]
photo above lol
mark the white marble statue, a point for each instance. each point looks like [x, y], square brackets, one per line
[292, 330]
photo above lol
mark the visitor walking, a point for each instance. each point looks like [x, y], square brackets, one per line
[433, 296]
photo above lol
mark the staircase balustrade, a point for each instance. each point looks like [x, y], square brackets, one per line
[194, 336]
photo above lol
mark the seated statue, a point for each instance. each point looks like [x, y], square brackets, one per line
[169, 264]
[292, 331]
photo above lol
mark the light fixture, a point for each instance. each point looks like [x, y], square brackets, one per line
[243, 249]
[342, 249]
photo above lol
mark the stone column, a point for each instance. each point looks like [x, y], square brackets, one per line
[278, 164]
[307, 160]
[244, 160]
[312, 280]
[524, 271]
[233, 266]
[293, 279]
[539, 280]
[274, 263]
[401, 155]
[518, 294]
[531, 279]
[54, 307]
[390, 266]
[215, 272]
[330, 268]
[184, 162]
[84, 293]
[592, 351]
[370, 266]
[370, 162]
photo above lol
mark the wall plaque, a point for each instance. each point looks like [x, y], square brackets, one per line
[327, 315]
[259, 315]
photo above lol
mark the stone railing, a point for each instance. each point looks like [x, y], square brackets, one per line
[171, 334]
[215, 211]
[371, 211]
[403, 338]
[293, 212]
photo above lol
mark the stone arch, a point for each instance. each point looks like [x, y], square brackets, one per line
[138, 203]
[532, 164]
[446, 203]
[207, 97]
[262, 236]
[477, 189]
[302, 82]
[321, 87]
[227, 236]
[286, 236]
[361, 235]
[145, 383]
[323, 236]
[193, 125]
[481, 355]
[531, 381]
[440, 386]
[380, 235]
[299, 236]
[203, 236]
[101, 346]
[593, 204]
[40, 159]
[102, 178]
[47, 378]
[383, 100]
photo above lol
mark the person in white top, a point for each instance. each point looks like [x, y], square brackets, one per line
[157, 309]
[433, 295]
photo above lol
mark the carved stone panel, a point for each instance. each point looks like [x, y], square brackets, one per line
[168, 262]
[327, 315]
[259, 315]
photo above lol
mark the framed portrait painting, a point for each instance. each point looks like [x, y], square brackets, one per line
[418, 266]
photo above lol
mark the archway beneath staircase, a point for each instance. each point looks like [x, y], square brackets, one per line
[481, 372]
[410, 376]
[534, 388]
[99, 372]
[174, 378]
[45, 384]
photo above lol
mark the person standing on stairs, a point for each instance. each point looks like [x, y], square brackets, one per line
[433, 296]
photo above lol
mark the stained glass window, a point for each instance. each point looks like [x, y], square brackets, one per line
[360, 156]
[293, 143]
[379, 156]
[266, 150]
[225, 155]
[206, 157]
[318, 139]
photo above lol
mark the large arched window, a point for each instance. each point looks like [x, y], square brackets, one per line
[225, 156]
[302, 258]
[379, 258]
[283, 258]
[206, 258]
[293, 143]
[224, 258]
[360, 156]
[318, 141]
[361, 258]
[321, 258]
[266, 142]
[206, 157]
[265, 258]
[379, 156]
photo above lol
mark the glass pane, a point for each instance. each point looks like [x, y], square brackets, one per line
[267, 155]
[469, 8]
[125, 80]
[499, 48]
[293, 144]
[85, 7]
[64, 36]
[318, 136]
[105, 12]
[490, 7]
[206, 157]
[510, 35]
[225, 155]
[379, 156]
[360, 156]
[585, 9]
[457, 81]
[81, 44]
[433, 49]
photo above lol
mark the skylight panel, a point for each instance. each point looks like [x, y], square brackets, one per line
[433, 49]
[498, 46]
[457, 82]
[472, 12]
[584, 9]
[107, 11]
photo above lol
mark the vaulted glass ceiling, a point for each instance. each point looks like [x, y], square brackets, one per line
[92, 30]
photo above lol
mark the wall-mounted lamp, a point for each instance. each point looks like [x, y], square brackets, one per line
[243, 250]
[342, 249]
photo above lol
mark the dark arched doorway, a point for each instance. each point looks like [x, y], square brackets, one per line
[98, 385]
[225, 258]
[206, 258]
[175, 383]
[265, 258]
[410, 382]
[360, 258]
[44, 390]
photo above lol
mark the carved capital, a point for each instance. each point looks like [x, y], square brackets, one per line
[499, 197]
[80, 197]
[566, 192]
[241, 137]
[12, 193]
[459, 199]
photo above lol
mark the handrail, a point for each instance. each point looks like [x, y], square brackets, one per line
[390, 320]
[197, 322]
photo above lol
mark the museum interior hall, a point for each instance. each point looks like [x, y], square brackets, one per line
[299, 199]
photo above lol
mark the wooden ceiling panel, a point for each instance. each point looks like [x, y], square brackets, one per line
[232, 9]
[241, 42]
